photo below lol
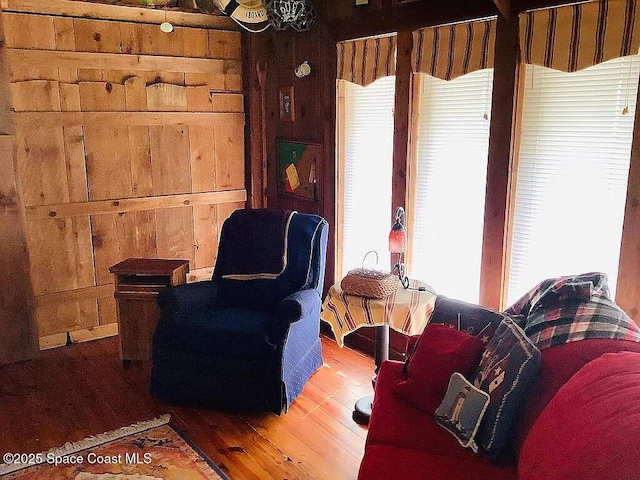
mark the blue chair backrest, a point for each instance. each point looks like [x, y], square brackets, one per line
[252, 271]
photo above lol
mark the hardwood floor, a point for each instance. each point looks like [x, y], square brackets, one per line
[70, 393]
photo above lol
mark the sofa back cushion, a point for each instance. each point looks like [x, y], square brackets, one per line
[440, 351]
[590, 429]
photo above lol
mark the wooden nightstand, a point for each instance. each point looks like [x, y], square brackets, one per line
[137, 284]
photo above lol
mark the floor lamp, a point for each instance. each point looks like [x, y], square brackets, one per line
[397, 245]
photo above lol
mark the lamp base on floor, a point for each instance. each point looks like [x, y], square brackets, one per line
[362, 410]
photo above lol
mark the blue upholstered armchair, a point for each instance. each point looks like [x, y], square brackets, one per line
[248, 339]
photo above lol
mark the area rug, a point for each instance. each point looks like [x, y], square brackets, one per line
[150, 450]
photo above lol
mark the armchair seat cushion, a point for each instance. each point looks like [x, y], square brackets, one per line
[225, 332]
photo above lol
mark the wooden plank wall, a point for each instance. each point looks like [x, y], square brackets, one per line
[130, 142]
[18, 340]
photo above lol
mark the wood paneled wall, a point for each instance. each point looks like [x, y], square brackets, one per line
[280, 53]
[19, 339]
[129, 142]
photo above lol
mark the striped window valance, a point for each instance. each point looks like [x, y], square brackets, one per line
[450, 51]
[365, 60]
[573, 37]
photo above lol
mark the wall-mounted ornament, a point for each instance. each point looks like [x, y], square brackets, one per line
[299, 165]
[165, 26]
[297, 14]
[287, 107]
[303, 69]
[249, 14]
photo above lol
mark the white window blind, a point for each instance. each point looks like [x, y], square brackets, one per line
[573, 165]
[367, 169]
[451, 170]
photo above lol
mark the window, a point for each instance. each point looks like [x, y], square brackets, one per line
[448, 190]
[572, 171]
[365, 164]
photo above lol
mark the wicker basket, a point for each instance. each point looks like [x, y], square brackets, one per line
[369, 283]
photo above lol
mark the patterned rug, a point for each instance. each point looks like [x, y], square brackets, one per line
[150, 450]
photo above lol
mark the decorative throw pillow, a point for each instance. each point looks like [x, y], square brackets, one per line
[561, 289]
[441, 351]
[468, 317]
[462, 410]
[508, 366]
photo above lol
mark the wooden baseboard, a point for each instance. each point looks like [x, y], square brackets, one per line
[83, 335]
[87, 334]
[53, 341]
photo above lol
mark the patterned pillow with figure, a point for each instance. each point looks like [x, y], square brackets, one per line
[508, 366]
[461, 410]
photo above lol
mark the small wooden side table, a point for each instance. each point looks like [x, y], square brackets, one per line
[137, 284]
[407, 310]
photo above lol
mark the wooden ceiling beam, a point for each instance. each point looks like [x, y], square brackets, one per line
[524, 5]
[81, 9]
[504, 7]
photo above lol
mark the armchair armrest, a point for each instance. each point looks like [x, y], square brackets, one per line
[297, 305]
[176, 302]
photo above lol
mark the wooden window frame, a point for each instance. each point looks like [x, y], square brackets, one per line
[341, 122]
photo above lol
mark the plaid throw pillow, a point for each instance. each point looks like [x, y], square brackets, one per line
[571, 308]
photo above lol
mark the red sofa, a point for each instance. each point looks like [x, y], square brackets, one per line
[580, 420]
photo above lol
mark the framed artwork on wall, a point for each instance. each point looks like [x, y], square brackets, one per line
[299, 168]
[287, 109]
